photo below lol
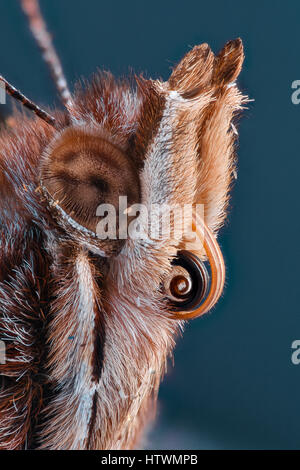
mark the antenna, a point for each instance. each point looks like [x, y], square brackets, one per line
[44, 40]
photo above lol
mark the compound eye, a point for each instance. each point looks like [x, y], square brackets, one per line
[187, 284]
[81, 171]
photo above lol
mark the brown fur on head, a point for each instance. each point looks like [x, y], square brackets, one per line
[89, 332]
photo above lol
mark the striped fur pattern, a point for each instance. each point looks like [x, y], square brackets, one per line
[88, 332]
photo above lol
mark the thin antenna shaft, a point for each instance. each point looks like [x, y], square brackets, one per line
[11, 90]
[43, 38]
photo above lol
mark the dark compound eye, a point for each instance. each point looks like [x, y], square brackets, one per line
[100, 184]
[187, 284]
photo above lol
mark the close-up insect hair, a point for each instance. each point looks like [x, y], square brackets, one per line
[112, 200]
[88, 317]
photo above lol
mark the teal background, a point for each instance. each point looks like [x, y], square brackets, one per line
[234, 385]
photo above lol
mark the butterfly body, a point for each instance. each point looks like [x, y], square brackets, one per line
[87, 326]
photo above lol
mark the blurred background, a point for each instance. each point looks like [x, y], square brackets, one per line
[234, 385]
